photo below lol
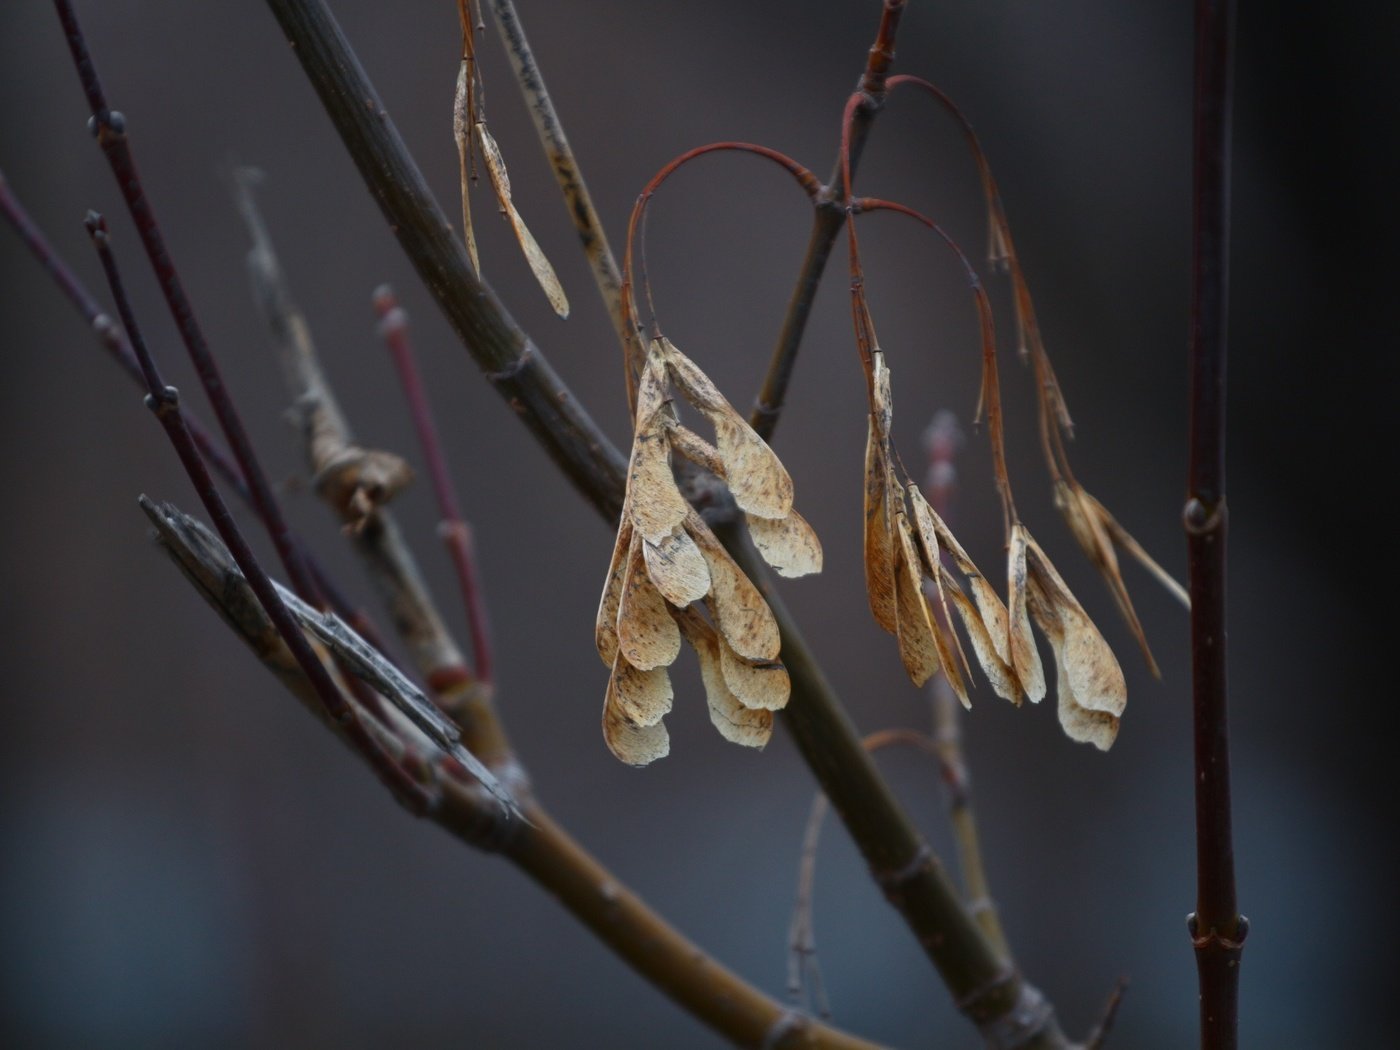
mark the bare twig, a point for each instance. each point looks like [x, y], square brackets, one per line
[1216, 926]
[828, 217]
[1098, 1036]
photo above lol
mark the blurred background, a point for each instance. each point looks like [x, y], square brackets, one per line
[189, 860]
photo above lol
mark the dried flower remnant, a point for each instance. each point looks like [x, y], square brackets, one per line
[666, 559]
[355, 481]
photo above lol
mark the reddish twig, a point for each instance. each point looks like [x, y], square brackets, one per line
[454, 530]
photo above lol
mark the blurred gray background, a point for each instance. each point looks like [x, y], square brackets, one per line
[188, 860]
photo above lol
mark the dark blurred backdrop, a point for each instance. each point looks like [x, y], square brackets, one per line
[188, 860]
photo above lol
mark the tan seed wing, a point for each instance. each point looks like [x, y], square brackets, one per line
[763, 685]
[642, 697]
[605, 626]
[879, 551]
[697, 387]
[1025, 660]
[1088, 669]
[736, 723]
[983, 635]
[882, 411]
[646, 633]
[635, 745]
[534, 255]
[1124, 539]
[1081, 724]
[696, 449]
[740, 612]
[760, 483]
[656, 504]
[677, 568]
[789, 544]
[917, 648]
[943, 634]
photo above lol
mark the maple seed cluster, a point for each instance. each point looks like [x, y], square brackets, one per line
[905, 541]
[666, 560]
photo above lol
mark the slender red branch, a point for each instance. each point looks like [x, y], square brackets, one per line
[455, 532]
[1217, 928]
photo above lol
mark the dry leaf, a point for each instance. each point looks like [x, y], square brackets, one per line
[642, 697]
[763, 685]
[738, 724]
[879, 551]
[534, 255]
[647, 635]
[1025, 660]
[1092, 691]
[740, 612]
[677, 568]
[917, 648]
[605, 626]
[789, 544]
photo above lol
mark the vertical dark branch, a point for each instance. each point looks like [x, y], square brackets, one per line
[1217, 928]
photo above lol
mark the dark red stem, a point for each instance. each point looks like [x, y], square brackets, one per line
[1217, 928]
[456, 533]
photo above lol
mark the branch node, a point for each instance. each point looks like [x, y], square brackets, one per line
[1202, 518]
[513, 370]
[1214, 936]
[892, 881]
[788, 1024]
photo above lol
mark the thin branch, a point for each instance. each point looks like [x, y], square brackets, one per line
[453, 528]
[164, 402]
[537, 845]
[827, 220]
[1217, 928]
[562, 161]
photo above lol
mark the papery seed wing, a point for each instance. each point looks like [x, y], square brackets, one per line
[917, 648]
[762, 685]
[927, 535]
[882, 409]
[1088, 666]
[1124, 539]
[1086, 517]
[696, 449]
[655, 503]
[736, 723]
[982, 636]
[760, 483]
[605, 626]
[1025, 660]
[633, 744]
[789, 544]
[643, 698]
[534, 255]
[879, 549]
[740, 612]
[677, 568]
[647, 635]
